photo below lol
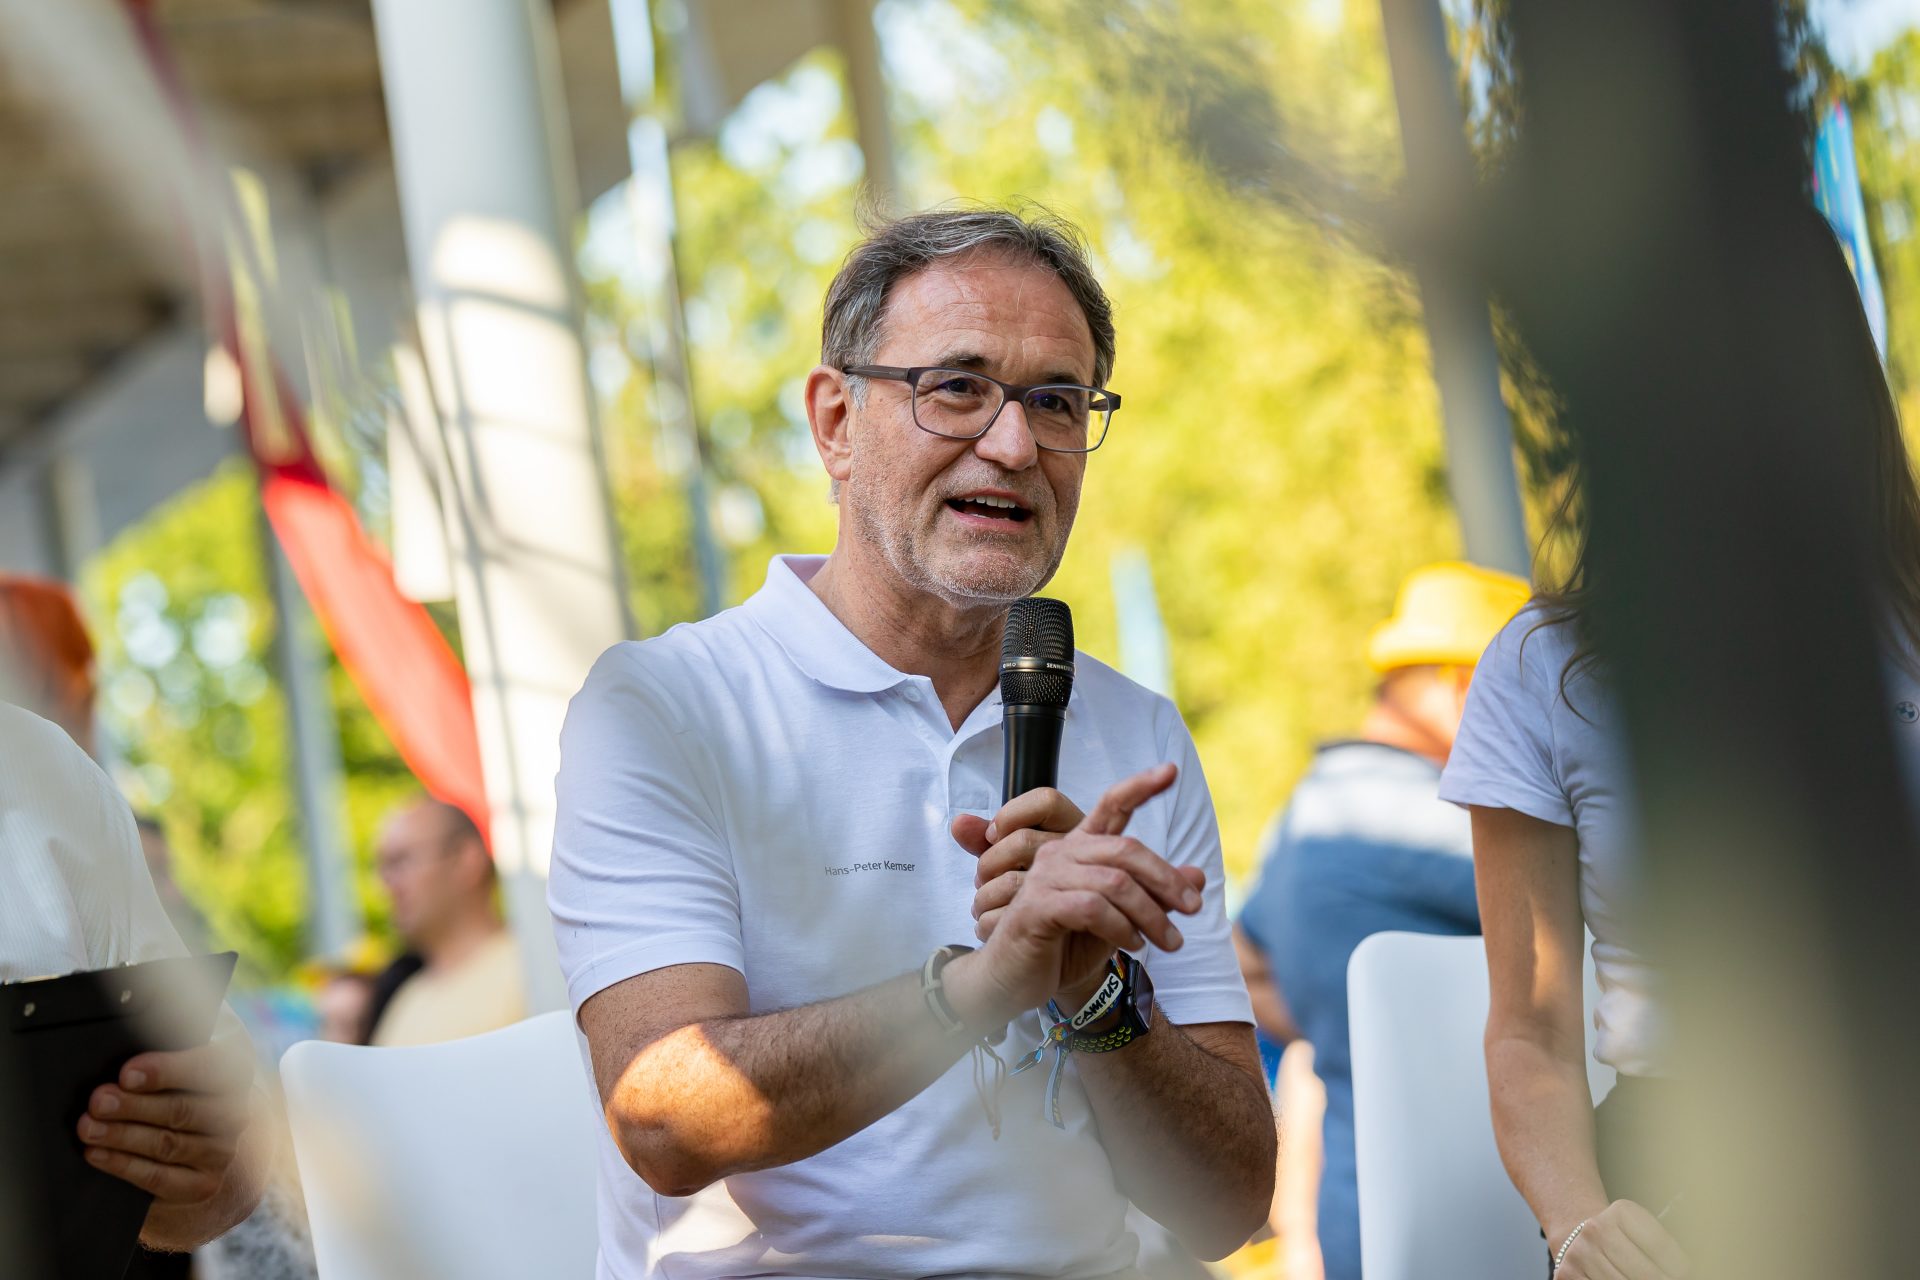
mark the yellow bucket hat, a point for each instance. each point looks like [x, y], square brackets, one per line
[1446, 615]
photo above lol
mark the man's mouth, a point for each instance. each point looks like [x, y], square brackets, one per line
[987, 506]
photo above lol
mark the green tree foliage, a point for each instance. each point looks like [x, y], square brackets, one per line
[764, 216]
[184, 623]
[1279, 457]
[1279, 460]
[1885, 105]
[184, 627]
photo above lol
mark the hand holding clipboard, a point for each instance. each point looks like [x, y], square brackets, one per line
[112, 1105]
[171, 1125]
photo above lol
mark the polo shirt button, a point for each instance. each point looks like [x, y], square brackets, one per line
[913, 693]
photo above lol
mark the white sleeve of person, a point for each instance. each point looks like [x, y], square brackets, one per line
[641, 876]
[1503, 756]
[1201, 982]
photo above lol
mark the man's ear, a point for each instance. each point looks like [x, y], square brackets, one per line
[830, 418]
[476, 864]
[1462, 679]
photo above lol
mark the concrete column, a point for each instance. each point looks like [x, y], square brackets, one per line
[72, 511]
[27, 523]
[471, 88]
[76, 511]
[417, 484]
[334, 919]
[867, 84]
[1466, 365]
[650, 203]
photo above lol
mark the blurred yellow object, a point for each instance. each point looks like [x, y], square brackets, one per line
[1445, 616]
[366, 957]
[1257, 1261]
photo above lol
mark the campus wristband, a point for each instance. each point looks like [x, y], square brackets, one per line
[1115, 1015]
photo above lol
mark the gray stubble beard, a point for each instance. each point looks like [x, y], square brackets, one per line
[919, 575]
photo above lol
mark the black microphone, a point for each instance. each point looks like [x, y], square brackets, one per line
[1036, 679]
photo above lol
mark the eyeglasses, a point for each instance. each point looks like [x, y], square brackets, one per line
[961, 404]
[388, 864]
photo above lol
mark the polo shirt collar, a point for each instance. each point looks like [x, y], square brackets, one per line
[812, 638]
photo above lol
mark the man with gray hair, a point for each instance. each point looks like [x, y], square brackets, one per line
[761, 866]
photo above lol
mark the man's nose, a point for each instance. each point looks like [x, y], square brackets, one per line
[1009, 441]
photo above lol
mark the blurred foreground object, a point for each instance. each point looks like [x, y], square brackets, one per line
[469, 1159]
[75, 895]
[1466, 364]
[1652, 238]
[1434, 1199]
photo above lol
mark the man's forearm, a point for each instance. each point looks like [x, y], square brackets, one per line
[1191, 1136]
[730, 1095]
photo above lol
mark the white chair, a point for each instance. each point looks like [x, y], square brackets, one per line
[471, 1159]
[1435, 1200]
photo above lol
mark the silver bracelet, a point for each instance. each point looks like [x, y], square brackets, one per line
[933, 993]
[1567, 1244]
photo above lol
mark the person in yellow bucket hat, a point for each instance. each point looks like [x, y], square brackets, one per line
[1365, 845]
[1445, 617]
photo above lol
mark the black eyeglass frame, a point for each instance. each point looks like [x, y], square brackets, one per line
[1008, 391]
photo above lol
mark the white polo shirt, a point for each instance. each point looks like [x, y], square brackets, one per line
[762, 791]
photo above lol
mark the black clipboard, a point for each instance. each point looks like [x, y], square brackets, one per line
[60, 1039]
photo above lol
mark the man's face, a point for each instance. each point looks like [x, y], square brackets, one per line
[907, 493]
[1435, 698]
[423, 869]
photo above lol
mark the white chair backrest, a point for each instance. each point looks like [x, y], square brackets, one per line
[471, 1159]
[1434, 1197]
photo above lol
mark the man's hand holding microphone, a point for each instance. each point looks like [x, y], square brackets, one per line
[1057, 893]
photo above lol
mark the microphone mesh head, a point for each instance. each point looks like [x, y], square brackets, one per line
[1037, 628]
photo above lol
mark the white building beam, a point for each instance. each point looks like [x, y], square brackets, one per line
[489, 243]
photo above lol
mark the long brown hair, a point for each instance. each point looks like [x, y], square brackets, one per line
[1894, 509]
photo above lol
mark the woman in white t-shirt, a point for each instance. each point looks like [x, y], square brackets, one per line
[1540, 763]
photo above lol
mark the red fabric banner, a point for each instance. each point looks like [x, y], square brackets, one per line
[398, 659]
[402, 666]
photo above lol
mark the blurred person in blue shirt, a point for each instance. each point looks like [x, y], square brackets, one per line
[1366, 846]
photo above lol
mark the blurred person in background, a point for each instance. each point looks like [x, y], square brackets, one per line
[1365, 845]
[1541, 765]
[344, 1005]
[75, 895]
[1300, 1104]
[186, 918]
[444, 892]
[385, 985]
[345, 991]
[46, 656]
